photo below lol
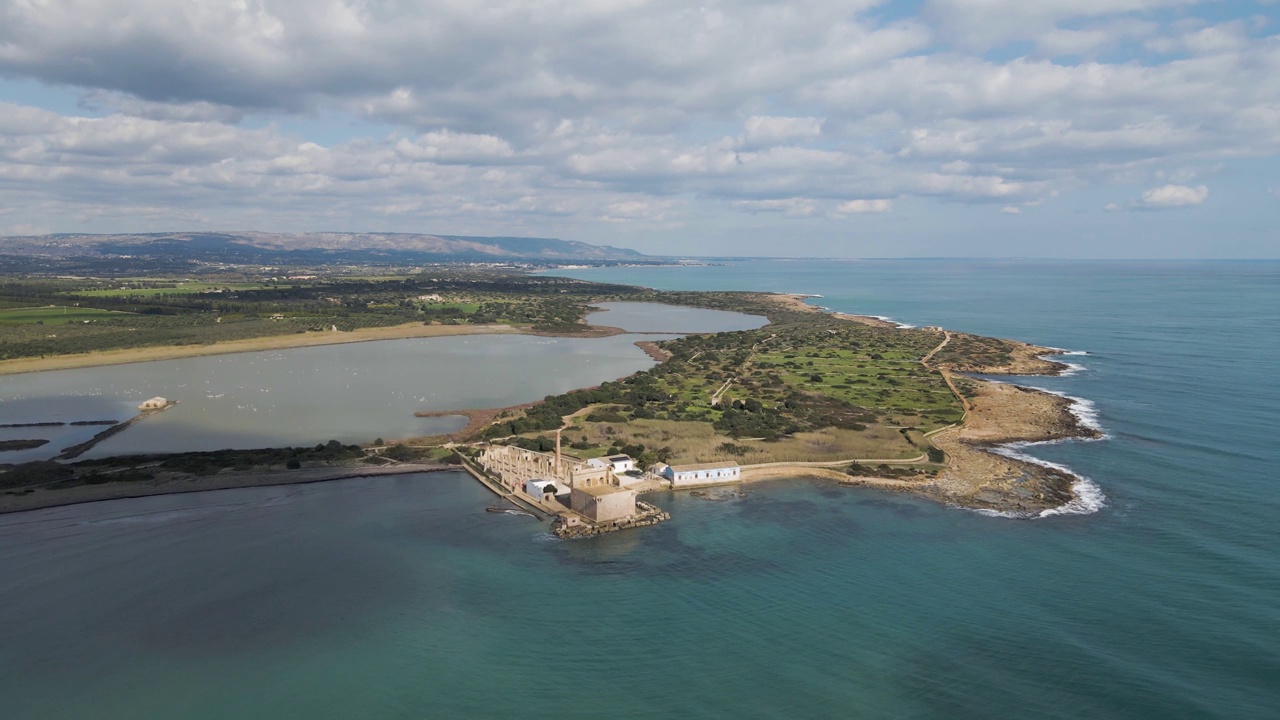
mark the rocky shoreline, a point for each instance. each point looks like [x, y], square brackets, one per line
[979, 476]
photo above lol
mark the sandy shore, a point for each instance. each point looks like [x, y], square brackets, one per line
[799, 303]
[43, 497]
[272, 342]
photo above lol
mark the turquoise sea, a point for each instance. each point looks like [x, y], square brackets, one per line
[402, 598]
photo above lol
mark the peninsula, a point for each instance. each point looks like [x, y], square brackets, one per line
[810, 394]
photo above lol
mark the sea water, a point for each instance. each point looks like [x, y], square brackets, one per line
[400, 597]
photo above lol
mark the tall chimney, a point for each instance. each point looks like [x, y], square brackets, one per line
[557, 451]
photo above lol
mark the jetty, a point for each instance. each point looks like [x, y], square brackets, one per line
[149, 407]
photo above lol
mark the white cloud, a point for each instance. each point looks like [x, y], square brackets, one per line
[791, 207]
[980, 24]
[604, 111]
[852, 207]
[1011, 210]
[763, 130]
[1172, 196]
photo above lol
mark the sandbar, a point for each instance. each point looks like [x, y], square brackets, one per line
[270, 342]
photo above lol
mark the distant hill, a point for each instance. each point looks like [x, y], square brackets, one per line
[326, 247]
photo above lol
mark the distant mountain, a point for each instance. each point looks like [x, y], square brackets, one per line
[267, 248]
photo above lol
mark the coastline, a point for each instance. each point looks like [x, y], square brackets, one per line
[985, 471]
[44, 497]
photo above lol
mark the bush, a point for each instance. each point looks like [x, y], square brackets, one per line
[293, 464]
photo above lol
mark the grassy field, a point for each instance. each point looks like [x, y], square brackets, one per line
[51, 315]
[698, 442]
[807, 387]
[152, 288]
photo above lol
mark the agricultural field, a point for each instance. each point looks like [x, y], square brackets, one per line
[51, 315]
[160, 312]
[153, 288]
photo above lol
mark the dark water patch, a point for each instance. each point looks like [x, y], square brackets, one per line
[897, 506]
[250, 601]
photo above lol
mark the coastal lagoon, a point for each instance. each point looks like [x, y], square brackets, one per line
[401, 598]
[354, 393]
[658, 318]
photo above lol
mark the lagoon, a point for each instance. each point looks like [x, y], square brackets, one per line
[354, 393]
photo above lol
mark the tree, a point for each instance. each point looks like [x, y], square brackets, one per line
[293, 464]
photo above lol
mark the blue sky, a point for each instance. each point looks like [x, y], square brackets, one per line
[908, 128]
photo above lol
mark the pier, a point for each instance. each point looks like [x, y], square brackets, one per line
[150, 407]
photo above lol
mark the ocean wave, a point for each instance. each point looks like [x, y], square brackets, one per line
[1072, 369]
[1084, 410]
[896, 324]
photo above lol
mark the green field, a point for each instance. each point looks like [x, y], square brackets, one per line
[51, 315]
[151, 288]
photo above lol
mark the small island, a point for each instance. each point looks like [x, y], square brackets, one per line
[853, 399]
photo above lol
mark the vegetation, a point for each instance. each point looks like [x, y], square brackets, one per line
[808, 386]
[25, 444]
[96, 314]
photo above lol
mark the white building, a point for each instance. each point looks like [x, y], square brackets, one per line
[705, 474]
[618, 463]
[155, 403]
[536, 488]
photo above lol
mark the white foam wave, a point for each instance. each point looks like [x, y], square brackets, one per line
[1072, 369]
[1084, 410]
[896, 324]
[1087, 498]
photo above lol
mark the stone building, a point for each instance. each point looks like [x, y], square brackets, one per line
[603, 503]
[594, 489]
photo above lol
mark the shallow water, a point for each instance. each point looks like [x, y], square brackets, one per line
[658, 318]
[402, 598]
[352, 393]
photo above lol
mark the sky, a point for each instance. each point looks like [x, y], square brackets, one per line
[845, 128]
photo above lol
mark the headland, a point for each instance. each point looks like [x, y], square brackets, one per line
[857, 399]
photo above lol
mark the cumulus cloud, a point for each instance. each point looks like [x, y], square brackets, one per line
[1172, 196]
[857, 207]
[766, 130]
[564, 111]
[791, 207]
